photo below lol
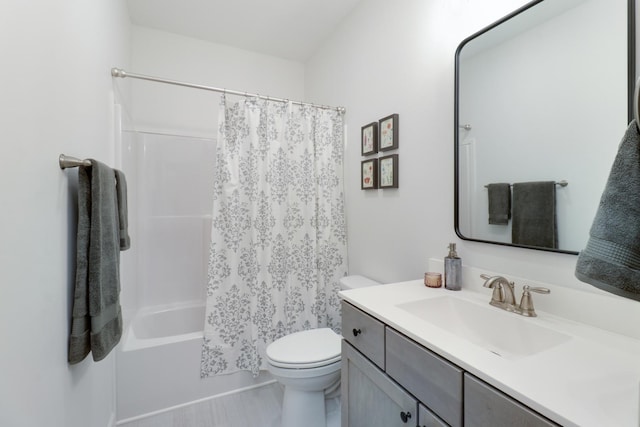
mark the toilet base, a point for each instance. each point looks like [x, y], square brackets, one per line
[303, 408]
[333, 411]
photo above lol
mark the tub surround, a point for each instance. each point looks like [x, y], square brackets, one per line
[158, 367]
[593, 379]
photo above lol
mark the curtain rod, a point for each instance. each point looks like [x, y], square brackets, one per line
[118, 72]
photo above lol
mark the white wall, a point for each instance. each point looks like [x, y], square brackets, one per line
[57, 97]
[172, 109]
[398, 57]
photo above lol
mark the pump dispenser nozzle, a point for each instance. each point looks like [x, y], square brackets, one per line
[452, 250]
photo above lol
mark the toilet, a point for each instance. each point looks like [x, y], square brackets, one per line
[307, 364]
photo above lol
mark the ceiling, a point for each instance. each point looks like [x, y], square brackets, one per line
[291, 29]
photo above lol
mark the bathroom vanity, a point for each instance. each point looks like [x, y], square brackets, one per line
[430, 357]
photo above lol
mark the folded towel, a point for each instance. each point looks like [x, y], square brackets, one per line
[611, 259]
[534, 214]
[499, 203]
[96, 323]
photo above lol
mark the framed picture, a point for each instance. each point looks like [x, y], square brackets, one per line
[369, 137]
[369, 174]
[388, 171]
[389, 133]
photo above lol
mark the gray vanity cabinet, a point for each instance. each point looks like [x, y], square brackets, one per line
[487, 406]
[390, 380]
[370, 398]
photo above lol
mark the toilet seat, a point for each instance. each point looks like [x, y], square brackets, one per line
[305, 350]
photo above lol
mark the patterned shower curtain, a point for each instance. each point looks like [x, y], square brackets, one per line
[278, 238]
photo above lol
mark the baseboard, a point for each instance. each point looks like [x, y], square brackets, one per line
[194, 402]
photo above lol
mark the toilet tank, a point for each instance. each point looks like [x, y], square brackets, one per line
[355, 281]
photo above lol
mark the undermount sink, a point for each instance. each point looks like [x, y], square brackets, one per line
[505, 334]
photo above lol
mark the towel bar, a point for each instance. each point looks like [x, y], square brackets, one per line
[562, 183]
[72, 162]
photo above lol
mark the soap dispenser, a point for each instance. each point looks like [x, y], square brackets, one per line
[452, 270]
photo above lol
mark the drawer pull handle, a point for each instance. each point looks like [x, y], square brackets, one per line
[405, 416]
[356, 332]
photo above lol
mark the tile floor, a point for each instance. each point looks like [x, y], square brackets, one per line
[255, 407]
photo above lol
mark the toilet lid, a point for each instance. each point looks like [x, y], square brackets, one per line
[305, 349]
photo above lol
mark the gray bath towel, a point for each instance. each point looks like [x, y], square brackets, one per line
[499, 203]
[96, 323]
[534, 214]
[121, 192]
[611, 260]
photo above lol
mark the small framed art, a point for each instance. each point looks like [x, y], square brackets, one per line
[389, 133]
[369, 174]
[369, 139]
[388, 171]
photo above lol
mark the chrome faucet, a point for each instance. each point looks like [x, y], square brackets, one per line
[526, 303]
[503, 296]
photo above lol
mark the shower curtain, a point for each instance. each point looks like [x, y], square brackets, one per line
[278, 239]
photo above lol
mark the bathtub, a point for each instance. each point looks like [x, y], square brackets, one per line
[165, 325]
[158, 363]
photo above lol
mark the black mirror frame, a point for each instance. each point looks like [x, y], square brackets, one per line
[631, 78]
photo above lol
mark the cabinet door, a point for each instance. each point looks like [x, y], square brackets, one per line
[431, 379]
[426, 418]
[486, 406]
[370, 398]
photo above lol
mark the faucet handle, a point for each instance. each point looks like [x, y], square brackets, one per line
[538, 289]
[526, 302]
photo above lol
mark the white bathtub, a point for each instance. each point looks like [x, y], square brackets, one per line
[162, 325]
[159, 363]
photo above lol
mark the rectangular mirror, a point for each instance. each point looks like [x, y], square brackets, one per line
[544, 94]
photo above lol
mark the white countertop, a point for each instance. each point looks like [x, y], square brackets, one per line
[593, 379]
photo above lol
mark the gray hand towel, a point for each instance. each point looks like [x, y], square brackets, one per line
[96, 323]
[499, 203]
[534, 214]
[611, 260]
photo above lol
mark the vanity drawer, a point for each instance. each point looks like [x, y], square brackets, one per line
[434, 381]
[364, 332]
[486, 406]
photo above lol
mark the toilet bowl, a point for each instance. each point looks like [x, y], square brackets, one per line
[307, 364]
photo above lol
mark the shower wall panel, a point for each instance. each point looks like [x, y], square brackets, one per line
[174, 181]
